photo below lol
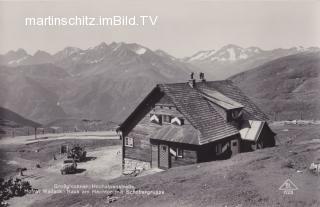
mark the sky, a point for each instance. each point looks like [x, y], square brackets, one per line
[183, 26]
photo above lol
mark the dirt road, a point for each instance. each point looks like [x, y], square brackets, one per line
[45, 137]
[103, 164]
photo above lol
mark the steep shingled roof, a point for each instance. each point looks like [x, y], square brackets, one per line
[202, 115]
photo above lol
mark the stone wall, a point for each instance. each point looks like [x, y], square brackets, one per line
[131, 165]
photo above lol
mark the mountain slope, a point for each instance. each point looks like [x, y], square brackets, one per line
[232, 59]
[286, 88]
[33, 91]
[11, 119]
[110, 80]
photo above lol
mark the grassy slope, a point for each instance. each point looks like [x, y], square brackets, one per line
[11, 121]
[248, 179]
[286, 85]
[6, 114]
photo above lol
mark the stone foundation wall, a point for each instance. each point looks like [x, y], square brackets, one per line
[131, 164]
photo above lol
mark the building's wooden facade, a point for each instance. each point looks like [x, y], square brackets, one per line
[166, 131]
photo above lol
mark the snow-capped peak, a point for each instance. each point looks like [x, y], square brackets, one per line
[202, 55]
[304, 49]
[227, 53]
[254, 50]
[140, 50]
[137, 49]
[16, 57]
[301, 49]
[18, 61]
[232, 54]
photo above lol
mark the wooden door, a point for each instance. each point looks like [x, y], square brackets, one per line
[234, 146]
[155, 156]
[164, 156]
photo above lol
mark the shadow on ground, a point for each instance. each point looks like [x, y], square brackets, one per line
[89, 159]
[80, 170]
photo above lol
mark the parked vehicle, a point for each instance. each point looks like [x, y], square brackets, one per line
[69, 167]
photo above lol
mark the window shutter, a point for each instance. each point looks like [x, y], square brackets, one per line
[155, 119]
[176, 120]
[173, 152]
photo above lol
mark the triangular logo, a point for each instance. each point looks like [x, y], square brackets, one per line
[288, 187]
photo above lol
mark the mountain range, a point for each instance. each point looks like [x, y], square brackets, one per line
[107, 81]
[232, 59]
[216, 64]
[103, 82]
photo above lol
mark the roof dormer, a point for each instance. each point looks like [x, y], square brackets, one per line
[229, 109]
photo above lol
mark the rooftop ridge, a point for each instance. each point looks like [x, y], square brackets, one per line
[198, 82]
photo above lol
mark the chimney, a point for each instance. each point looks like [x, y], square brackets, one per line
[201, 76]
[192, 81]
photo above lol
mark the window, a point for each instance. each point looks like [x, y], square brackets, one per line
[128, 142]
[234, 143]
[166, 118]
[182, 121]
[235, 114]
[218, 148]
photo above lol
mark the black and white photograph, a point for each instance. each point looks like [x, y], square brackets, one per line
[149, 103]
